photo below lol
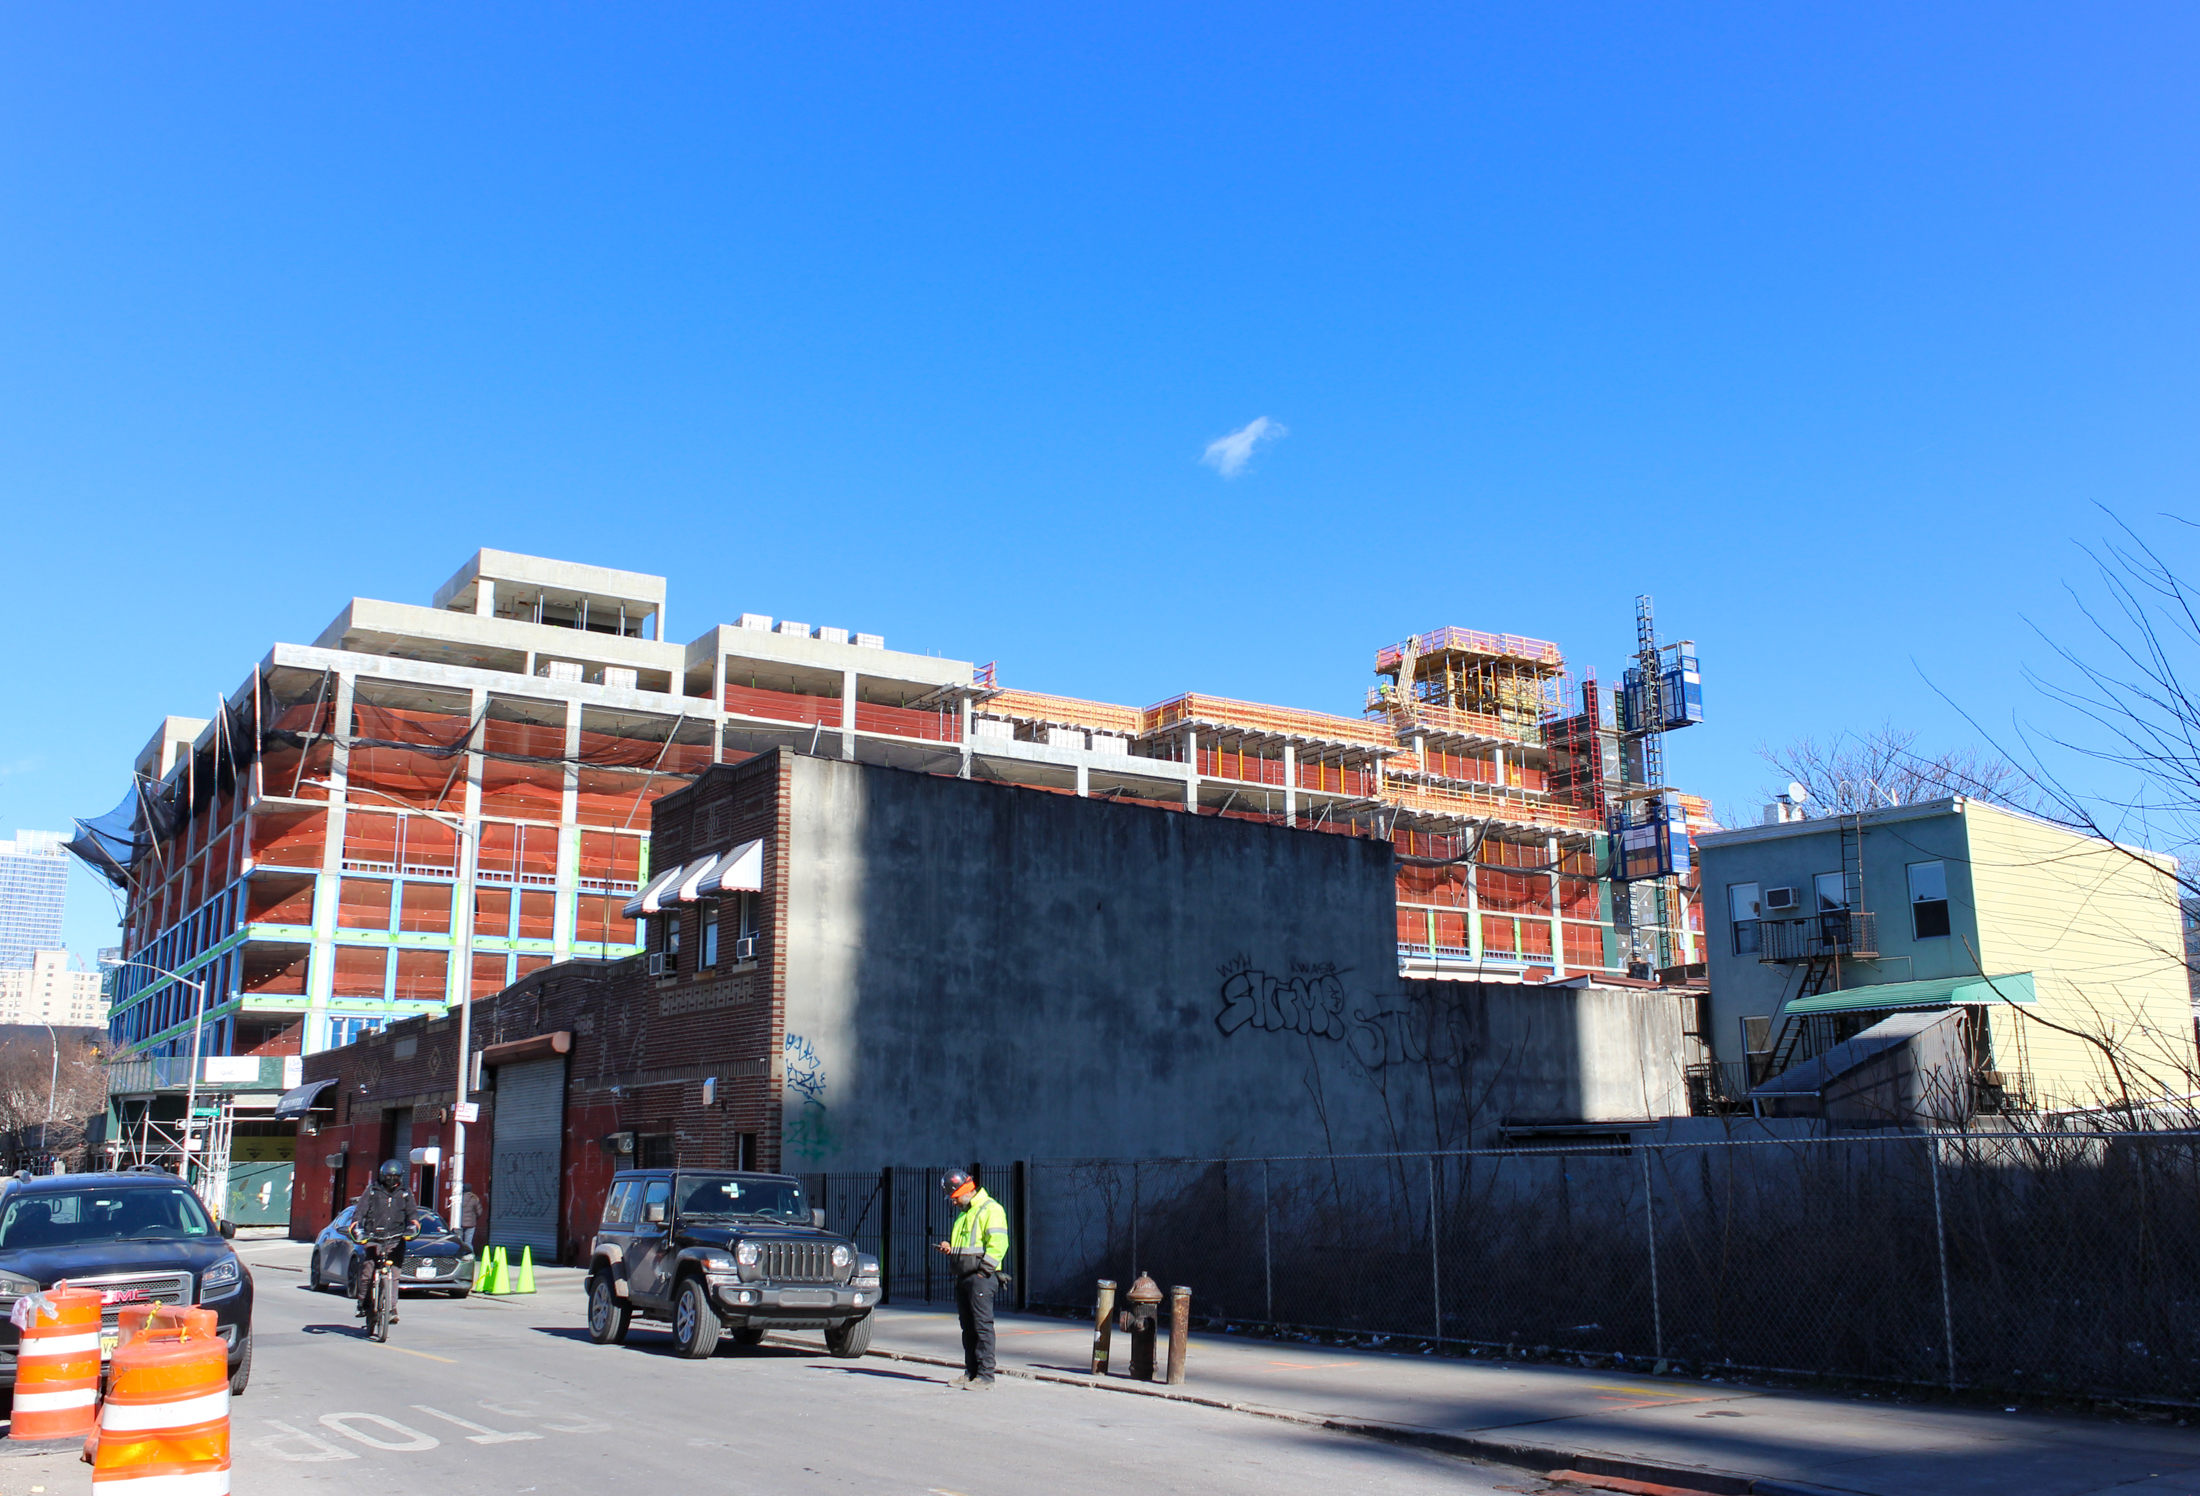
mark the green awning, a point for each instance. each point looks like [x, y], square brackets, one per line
[1937, 993]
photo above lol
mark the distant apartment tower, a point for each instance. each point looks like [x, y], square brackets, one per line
[34, 884]
[48, 991]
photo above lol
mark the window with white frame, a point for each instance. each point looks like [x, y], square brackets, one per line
[1742, 906]
[1928, 900]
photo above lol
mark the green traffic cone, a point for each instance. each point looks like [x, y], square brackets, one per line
[496, 1271]
[481, 1272]
[526, 1271]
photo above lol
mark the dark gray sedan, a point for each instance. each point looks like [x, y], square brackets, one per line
[435, 1260]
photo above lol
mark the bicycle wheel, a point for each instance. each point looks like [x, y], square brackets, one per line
[385, 1290]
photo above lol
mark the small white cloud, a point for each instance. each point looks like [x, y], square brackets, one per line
[1228, 455]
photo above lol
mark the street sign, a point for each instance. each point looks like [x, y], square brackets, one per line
[467, 1111]
[206, 1111]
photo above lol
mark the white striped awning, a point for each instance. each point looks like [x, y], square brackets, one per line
[648, 900]
[737, 871]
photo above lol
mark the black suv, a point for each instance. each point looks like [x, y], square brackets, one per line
[712, 1250]
[138, 1237]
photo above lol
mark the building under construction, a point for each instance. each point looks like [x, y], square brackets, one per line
[428, 799]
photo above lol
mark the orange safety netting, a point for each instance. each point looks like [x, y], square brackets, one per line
[363, 904]
[289, 838]
[610, 858]
[359, 971]
[526, 854]
[279, 901]
[423, 976]
[425, 908]
[274, 970]
[783, 706]
[598, 921]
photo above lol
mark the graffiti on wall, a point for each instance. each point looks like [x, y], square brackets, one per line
[1309, 998]
[808, 1131]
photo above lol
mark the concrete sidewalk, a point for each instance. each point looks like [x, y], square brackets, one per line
[1700, 1435]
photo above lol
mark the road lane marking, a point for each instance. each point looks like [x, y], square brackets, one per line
[423, 1355]
[480, 1434]
[414, 1439]
[318, 1450]
[562, 1424]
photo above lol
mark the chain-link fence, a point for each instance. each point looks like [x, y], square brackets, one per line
[2045, 1261]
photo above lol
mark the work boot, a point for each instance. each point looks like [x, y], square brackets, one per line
[963, 1381]
[982, 1384]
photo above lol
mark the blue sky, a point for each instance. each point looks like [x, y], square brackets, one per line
[1828, 327]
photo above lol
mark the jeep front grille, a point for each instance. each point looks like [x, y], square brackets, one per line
[797, 1261]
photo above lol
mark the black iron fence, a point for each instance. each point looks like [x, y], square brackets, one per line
[900, 1214]
[2024, 1261]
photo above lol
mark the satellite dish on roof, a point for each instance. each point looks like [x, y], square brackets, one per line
[1797, 791]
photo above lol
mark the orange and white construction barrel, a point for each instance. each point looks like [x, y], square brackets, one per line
[165, 1421]
[57, 1367]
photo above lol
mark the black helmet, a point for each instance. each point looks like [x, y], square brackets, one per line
[392, 1174]
[955, 1181]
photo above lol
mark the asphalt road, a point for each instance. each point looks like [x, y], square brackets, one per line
[510, 1396]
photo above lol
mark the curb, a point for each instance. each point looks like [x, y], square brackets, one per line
[1541, 1459]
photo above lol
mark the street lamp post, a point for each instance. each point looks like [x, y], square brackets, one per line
[463, 958]
[198, 1023]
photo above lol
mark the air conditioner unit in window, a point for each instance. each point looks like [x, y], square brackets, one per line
[1780, 898]
[744, 949]
[658, 965]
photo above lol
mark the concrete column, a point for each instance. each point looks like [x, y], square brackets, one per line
[569, 839]
[1191, 761]
[847, 714]
[1474, 913]
[1290, 786]
[718, 699]
[321, 964]
[1084, 779]
[1420, 750]
[1558, 928]
[485, 598]
[964, 771]
[1498, 754]
[469, 851]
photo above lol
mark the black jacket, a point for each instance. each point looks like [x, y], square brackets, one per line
[384, 1215]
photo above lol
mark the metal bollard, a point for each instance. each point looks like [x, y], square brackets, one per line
[1142, 1321]
[1101, 1329]
[1180, 1331]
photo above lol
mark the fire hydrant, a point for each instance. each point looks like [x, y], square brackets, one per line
[1141, 1321]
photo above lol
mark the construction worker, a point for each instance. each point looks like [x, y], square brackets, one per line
[979, 1245]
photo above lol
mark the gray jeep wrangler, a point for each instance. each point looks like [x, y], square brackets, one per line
[718, 1251]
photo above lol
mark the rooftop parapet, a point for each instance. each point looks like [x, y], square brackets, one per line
[569, 594]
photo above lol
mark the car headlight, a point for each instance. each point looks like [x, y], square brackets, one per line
[866, 1267]
[843, 1258]
[221, 1280]
[14, 1285]
[748, 1254]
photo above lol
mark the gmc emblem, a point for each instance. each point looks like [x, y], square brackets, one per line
[122, 1296]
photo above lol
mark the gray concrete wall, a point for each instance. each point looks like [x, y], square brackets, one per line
[976, 971]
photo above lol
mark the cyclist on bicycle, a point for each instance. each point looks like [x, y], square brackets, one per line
[386, 1218]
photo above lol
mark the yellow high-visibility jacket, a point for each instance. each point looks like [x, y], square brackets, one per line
[983, 1225]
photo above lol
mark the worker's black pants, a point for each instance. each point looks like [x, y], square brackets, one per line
[974, 1303]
